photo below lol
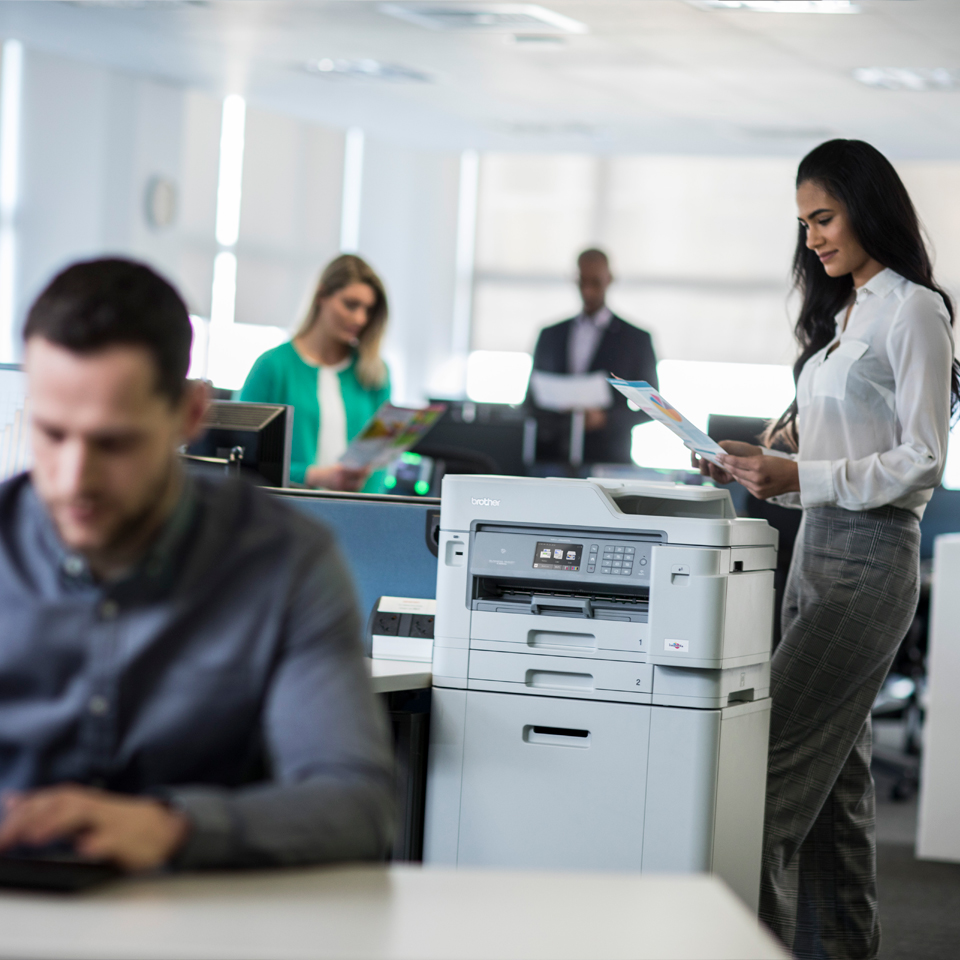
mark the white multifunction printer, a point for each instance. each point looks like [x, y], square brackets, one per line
[601, 673]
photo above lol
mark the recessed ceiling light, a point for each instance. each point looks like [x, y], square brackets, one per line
[780, 6]
[918, 79]
[788, 133]
[533, 129]
[484, 17]
[539, 41]
[366, 69]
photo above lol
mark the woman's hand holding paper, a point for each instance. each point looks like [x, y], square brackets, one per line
[764, 476]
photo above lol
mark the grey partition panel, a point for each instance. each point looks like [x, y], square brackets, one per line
[384, 540]
[941, 516]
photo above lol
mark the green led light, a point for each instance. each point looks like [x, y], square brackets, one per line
[422, 487]
[411, 457]
[389, 482]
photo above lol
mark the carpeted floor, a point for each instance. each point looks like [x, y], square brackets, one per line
[919, 905]
[919, 899]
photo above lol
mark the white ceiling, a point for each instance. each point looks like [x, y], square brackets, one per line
[647, 76]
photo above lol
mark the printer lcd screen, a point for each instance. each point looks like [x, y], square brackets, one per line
[558, 556]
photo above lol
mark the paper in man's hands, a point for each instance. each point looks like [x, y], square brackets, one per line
[652, 403]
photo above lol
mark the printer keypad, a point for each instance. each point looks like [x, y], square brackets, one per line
[617, 560]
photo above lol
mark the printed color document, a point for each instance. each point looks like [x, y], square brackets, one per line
[652, 403]
[388, 433]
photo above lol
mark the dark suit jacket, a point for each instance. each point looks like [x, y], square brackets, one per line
[624, 350]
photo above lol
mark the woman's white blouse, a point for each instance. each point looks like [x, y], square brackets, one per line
[874, 414]
[332, 436]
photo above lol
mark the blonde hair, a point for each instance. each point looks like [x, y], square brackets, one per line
[341, 272]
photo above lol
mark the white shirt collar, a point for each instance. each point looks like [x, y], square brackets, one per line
[601, 319]
[882, 283]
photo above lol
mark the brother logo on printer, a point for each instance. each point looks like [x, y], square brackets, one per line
[679, 645]
[484, 502]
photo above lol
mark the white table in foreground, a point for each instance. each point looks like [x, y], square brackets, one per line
[396, 912]
[389, 676]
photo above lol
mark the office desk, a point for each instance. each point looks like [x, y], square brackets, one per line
[389, 676]
[396, 912]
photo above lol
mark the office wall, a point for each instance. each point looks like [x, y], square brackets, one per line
[91, 141]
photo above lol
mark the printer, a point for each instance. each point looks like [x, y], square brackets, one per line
[601, 672]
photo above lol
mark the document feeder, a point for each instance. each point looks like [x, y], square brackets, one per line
[601, 678]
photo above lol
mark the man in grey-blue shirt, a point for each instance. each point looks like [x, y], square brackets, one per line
[181, 676]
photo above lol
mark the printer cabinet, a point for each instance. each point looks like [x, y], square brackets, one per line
[555, 783]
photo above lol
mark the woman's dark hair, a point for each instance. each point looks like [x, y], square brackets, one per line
[885, 222]
[97, 304]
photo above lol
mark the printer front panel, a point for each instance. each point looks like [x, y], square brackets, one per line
[564, 556]
[547, 593]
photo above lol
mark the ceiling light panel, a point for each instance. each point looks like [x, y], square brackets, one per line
[484, 17]
[366, 69]
[916, 79]
[780, 6]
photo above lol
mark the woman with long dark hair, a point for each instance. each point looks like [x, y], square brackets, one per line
[876, 384]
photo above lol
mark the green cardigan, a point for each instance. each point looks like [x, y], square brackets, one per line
[281, 376]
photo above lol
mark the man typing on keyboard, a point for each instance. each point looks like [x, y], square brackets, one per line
[181, 676]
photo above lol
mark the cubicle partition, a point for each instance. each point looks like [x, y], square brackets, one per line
[387, 542]
[390, 545]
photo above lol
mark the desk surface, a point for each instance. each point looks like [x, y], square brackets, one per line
[391, 675]
[397, 912]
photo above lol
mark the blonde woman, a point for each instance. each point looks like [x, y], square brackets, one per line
[330, 372]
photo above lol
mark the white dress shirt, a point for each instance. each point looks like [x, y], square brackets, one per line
[874, 411]
[585, 338]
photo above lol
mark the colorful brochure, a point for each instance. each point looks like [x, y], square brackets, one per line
[388, 433]
[651, 403]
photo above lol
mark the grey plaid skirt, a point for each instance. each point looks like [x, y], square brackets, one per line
[851, 595]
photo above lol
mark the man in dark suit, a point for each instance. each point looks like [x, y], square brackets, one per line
[596, 340]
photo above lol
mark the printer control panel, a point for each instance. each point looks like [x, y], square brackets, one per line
[602, 558]
[613, 558]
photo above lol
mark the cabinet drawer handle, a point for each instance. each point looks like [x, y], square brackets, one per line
[557, 736]
[559, 680]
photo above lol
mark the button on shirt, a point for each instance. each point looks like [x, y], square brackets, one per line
[225, 674]
[585, 338]
[874, 405]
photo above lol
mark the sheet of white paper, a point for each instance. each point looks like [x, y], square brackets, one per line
[652, 403]
[563, 392]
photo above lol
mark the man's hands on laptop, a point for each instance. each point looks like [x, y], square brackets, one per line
[136, 833]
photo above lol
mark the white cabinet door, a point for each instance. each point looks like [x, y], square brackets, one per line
[553, 783]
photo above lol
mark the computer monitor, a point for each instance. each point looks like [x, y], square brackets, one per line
[252, 438]
[15, 454]
[482, 438]
[745, 429]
